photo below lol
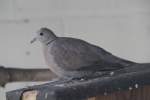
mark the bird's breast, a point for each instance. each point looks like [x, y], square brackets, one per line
[50, 61]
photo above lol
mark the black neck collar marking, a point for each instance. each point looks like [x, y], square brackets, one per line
[50, 41]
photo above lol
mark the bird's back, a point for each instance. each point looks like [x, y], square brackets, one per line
[75, 54]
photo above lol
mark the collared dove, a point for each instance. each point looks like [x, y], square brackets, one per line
[76, 58]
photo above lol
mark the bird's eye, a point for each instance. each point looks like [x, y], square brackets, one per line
[41, 34]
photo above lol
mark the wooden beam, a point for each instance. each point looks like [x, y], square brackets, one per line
[16, 75]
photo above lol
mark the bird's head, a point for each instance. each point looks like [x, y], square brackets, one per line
[44, 35]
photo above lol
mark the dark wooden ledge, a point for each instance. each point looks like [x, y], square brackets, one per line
[128, 79]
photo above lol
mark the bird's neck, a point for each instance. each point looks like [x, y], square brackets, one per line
[50, 41]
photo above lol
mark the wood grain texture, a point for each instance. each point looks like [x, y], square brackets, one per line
[142, 93]
[93, 98]
[29, 95]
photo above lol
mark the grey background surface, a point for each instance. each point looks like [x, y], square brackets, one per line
[119, 26]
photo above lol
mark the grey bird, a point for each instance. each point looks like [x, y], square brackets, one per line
[76, 58]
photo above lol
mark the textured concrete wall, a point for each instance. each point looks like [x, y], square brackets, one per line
[120, 26]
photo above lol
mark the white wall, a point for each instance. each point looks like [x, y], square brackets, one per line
[119, 26]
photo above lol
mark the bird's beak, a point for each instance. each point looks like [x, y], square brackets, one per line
[33, 40]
